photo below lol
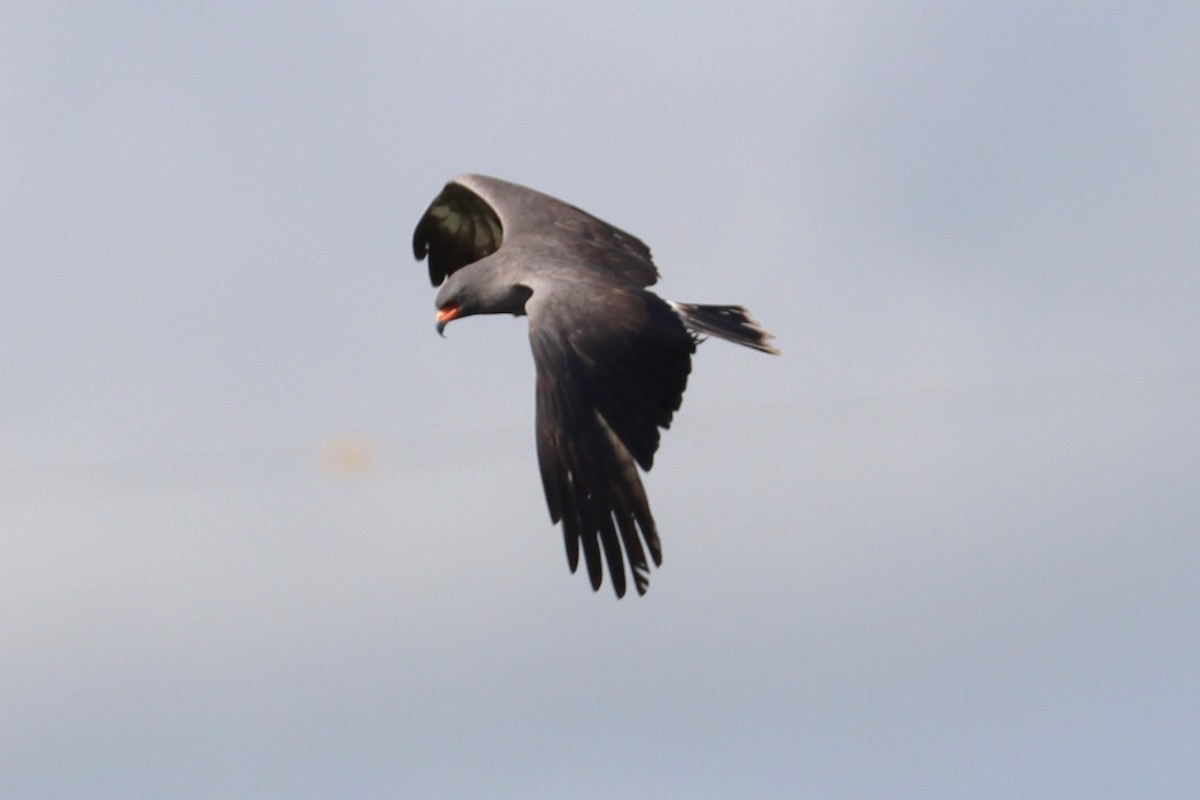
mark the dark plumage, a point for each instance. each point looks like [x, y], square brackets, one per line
[612, 358]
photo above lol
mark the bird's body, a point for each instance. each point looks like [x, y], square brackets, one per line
[612, 358]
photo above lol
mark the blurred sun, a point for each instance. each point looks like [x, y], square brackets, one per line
[348, 458]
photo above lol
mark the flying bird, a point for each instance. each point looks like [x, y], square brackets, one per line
[612, 359]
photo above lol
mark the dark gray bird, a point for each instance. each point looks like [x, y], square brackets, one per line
[612, 358]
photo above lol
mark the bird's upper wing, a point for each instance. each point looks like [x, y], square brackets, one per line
[475, 215]
[459, 227]
[612, 364]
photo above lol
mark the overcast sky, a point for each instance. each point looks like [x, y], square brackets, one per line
[264, 534]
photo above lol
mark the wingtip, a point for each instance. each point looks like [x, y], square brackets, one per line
[641, 582]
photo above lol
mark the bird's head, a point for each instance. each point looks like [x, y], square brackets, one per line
[471, 290]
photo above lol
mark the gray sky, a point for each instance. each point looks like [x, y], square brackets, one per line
[944, 546]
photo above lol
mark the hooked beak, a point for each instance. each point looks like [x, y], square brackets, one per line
[444, 315]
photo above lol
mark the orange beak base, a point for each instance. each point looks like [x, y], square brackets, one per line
[444, 315]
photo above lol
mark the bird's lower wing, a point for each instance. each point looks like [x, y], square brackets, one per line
[607, 379]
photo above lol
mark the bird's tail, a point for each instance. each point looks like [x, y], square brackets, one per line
[732, 323]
